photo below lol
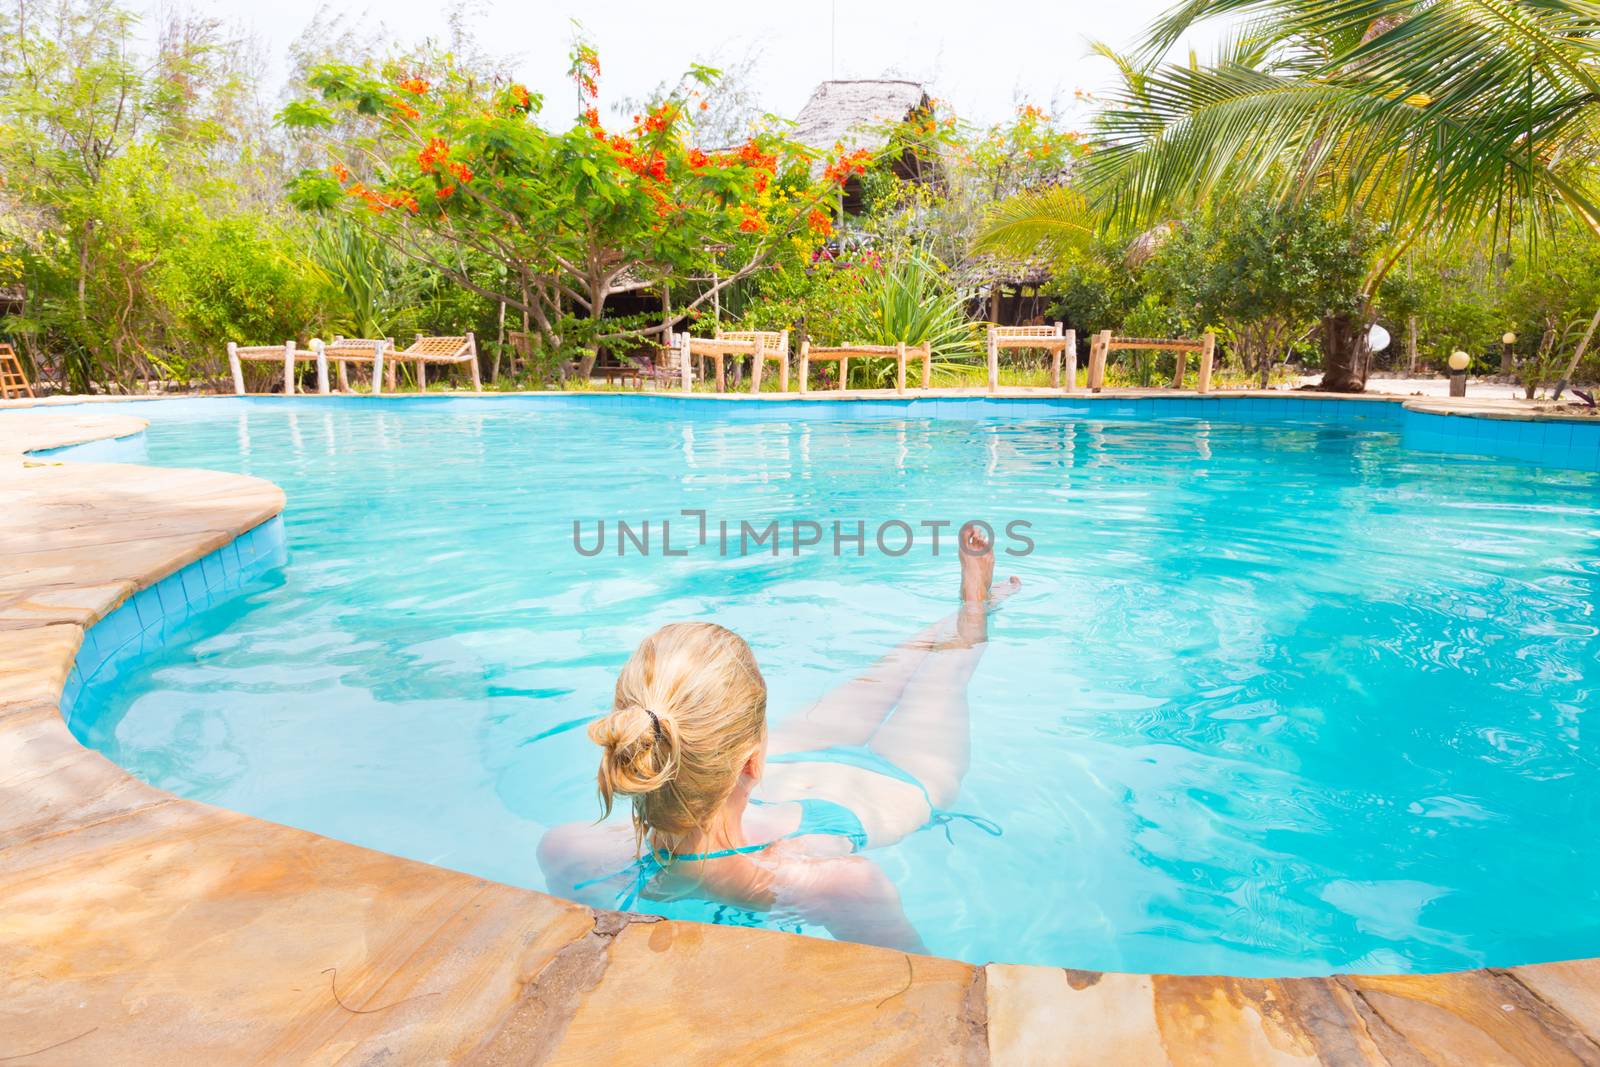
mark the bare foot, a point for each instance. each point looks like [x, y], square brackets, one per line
[977, 563]
[978, 594]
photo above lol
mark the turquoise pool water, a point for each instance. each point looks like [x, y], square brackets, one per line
[1276, 697]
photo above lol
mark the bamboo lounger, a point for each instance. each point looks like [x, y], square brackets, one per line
[843, 354]
[286, 354]
[425, 350]
[12, 376]
[344, 350]
[1049, 338]
[759, 345]
[1104, 343]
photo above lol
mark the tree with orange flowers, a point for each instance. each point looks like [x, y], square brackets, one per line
[456, 171]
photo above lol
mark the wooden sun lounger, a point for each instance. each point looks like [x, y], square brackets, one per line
[843, 354]
[1049, 338]
[12, 376]
[453, 350]
[759, 345]
[1104, 344]
[286, 354]
[345, 350]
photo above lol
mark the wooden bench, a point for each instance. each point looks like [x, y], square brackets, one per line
[12, 376]
[1104, 344]
[447, 350]
[286, 354]
[342, 351]
[843, 354]
[1048, 338]
[759, 345]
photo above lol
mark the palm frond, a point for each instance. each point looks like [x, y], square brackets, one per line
[1053, 221]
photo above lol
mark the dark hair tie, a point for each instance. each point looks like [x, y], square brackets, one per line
[655, 724]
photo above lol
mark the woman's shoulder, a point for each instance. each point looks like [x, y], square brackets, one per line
[575, 852]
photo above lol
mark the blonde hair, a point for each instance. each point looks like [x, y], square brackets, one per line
[690, 708]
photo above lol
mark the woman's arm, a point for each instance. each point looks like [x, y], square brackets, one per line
[856, 901]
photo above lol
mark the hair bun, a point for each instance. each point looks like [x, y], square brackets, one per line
[641, 751]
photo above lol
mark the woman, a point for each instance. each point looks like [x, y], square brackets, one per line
[725, 812]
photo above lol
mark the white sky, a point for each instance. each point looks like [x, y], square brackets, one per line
[980, 56]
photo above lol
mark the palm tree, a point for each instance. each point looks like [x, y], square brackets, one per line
[1434, 117]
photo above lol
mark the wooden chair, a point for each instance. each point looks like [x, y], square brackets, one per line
[842, 355]
[759, 345]
[1104, 344]
[1049, 338]
[452, 350]
[286, 354]
[12, 376]
[342, 351]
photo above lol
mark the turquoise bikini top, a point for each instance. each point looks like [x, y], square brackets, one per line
[817, 816]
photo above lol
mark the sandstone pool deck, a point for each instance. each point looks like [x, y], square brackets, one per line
[138, 927]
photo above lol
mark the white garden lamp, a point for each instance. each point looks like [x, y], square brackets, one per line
[1459, 361]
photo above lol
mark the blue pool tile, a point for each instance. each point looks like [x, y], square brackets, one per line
[147, 602]
[118, 628]
[215, 573]
[173, 600]
[193, 580]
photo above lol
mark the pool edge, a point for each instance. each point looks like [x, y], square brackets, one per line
[148, 926]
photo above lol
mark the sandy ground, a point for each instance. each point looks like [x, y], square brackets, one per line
[1433, 387]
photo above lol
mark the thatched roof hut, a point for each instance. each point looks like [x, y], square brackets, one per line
[865, 114]
[857, 114]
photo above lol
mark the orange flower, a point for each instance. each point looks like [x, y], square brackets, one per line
[341, 173]
[445, 192]
[462, 172]
[819, 222]
[698, 159]
[752, 221]
[433, 153]
[406, 110]
[591, 118]
[520, 98]
[840, 170]
[415, 86]
[704, 106]
[762, 177]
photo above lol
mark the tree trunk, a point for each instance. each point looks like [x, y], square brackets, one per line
[1344, 352]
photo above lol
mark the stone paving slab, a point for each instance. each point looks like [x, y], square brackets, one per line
[140, 928]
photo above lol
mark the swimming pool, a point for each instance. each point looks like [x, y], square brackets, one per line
[1279, 696]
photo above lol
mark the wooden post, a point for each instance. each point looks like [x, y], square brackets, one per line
[1180, 358]
[1208, 350]
[1072, 361]
[238, 370]
[994, 359]
[472, 350]
[805, 363]
[721, 381]
[758, 360]
[288, 368]
[322, 366]
[844, 371]
[900, 367]
[1055, 362]
[783, 362]
[377, 369]
[685, 370]
[927, 364]
[1097, 361]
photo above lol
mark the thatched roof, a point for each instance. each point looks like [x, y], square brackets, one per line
[858, 114]
[982, 270]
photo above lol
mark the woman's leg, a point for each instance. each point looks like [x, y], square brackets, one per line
[851, 713]
[928, 735]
